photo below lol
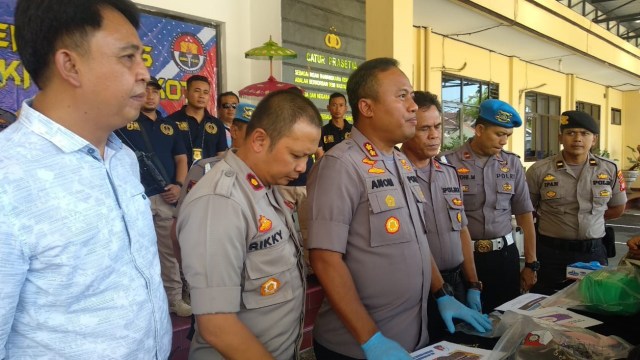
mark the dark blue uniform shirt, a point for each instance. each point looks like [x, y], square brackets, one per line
[164, 138]
[208, 135]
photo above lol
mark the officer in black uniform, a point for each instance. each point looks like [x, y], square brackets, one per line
[337, 129]
[203, 134]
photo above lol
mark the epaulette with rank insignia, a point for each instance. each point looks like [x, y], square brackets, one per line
[439, 160]
[511, 153]
[225, 182]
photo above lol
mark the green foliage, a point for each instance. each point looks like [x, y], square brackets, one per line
[634, 159]
[453, 142]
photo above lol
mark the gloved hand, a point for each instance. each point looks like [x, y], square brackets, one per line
[379, 347]
[473, 300]
[451, 308]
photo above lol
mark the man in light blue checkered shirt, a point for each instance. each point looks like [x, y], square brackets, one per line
[79, 269]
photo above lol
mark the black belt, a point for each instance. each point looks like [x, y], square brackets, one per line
[584, 246]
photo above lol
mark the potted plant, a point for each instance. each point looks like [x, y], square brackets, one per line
[631, 174]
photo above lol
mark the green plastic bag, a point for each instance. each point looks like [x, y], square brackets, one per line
[612, 291]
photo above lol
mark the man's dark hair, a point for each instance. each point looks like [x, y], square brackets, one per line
[363, 82]
[44, 26]
[279, 111]
[337, 95]
[197, 78]
[425, 99]
[226, 93]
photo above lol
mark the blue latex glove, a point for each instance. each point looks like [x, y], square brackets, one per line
[451, 308]
[473, 300]
[379, 347]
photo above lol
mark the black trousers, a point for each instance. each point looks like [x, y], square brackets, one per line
[499, 271]
[435, 325]
[554, 256]
[322, 353]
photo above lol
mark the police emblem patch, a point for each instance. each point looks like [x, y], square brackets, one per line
[504, 169]
[549, 177]
[166, 129]
[604, 193]
[347, 135]
[183, 125]
[507, 187]
[390, 200]
[254, 182]
[133, 126]
[264, 224]
[459, 217]
[457, 202]
[270, 287]
[564, 120]
[392, 225]
[551, 194]
[503, 116]
[370, 150]
[328, 139]
[211, 128]
[465, 188]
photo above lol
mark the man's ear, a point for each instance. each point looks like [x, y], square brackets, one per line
[66, 64]
[479, 129]
[365, 106]
[259, 140]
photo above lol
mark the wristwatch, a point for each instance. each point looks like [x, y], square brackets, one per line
[443, 291]
[475, 285]
[534, 265]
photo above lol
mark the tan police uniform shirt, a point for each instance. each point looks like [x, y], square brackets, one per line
[571, 207]
[444, 212]
[493, 190]
[196, 172]
[373, 214]
[241, 256]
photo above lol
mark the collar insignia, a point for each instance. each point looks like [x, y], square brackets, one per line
[406, 165]
[593, 162]
[559, 164]
[370, 150]
[466, 155]
[254, 182]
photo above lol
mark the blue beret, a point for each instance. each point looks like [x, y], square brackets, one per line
[578, 119]
[244, 112]
[499, 113]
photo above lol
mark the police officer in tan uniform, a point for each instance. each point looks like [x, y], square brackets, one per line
[573, 192]
[494, 188]
[367, 230]
[446, 222]
[241, 255]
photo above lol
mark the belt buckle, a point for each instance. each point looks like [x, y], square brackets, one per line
[484, 246]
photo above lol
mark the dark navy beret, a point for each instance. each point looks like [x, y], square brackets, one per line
[578, 119]
[244, 112]
[499, 113]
